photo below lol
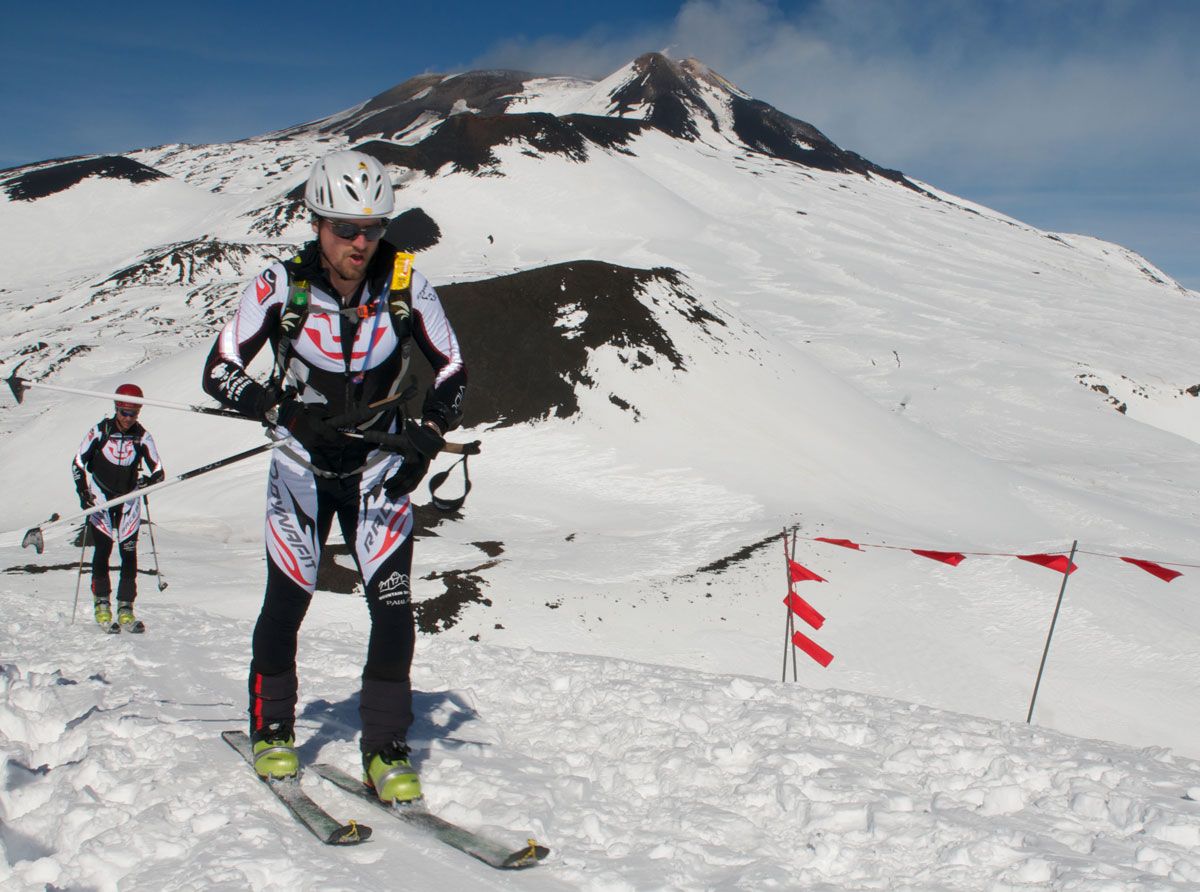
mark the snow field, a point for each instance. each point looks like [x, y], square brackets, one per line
[893, 369]
[637, 776]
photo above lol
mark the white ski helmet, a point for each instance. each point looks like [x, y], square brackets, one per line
[349, 185]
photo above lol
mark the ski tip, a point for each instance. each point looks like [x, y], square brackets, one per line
[527, 857]
[350, 834]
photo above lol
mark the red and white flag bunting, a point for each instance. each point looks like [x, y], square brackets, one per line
[801, 608]
[1163, 573]
[1057, 562]
[953, 558]
[804, 610]
[814, 650]
[845, 543]
[797, 573]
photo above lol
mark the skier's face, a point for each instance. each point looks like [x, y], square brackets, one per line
[347, 249]
[126, 416]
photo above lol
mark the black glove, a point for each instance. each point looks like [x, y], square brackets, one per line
[86, 499]
[262, 397]
[308, 423]
[151, 479]
[423, 444]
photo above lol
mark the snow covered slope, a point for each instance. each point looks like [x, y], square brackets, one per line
[691, 321]
[636, 776]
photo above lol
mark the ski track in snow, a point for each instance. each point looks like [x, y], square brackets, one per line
[637, 776]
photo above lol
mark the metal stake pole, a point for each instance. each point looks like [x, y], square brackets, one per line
[787, 634]
[1050, 634]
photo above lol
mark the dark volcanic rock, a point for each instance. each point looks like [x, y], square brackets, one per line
[474, 111]
[413, 231]
[186, 263]
[44, 181]
[466, 141]
[392, 112]
[766, 129]
[524, 363]
[671, 93]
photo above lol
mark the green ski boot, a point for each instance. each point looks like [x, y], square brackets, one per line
[275, 754]
[127, 620]
[103, 611]
[390, 774]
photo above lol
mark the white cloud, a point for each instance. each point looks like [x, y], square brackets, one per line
[1021, 90]
[979, 99]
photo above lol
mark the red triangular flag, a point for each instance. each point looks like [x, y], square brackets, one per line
[798, 573]
[845, 543]
[1057, 562]
[814, 650]
[804, 610]
[953, 558]
[1163, 573]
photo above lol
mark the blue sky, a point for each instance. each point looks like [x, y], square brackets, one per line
[1072, 115]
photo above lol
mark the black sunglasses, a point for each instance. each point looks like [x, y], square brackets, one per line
[350, 232]
[128, 413]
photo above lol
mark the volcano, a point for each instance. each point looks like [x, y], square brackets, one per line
[690, 320]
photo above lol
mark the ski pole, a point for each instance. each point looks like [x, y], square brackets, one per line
[19, 385]
[162, 584]
[397, 442]
[83, 534]
[33, 536]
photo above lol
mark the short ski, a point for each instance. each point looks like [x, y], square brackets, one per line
[415, 815]
[112, 628]
[323, 825]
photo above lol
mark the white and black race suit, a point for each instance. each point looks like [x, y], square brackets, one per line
[338, 361]
[106, 466]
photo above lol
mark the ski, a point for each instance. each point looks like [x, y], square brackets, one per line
[137, 627]
[416, 815]
[322, 825]
[111, 628]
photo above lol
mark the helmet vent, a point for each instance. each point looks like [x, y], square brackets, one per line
[349, 184]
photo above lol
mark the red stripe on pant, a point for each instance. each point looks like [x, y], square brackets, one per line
[256, 702]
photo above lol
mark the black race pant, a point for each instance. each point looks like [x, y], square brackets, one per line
[127, 582]
[386, 703]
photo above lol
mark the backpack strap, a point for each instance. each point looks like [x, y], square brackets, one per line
[291, 319]
[398, 301]
[295, 311]
[400, 294]
[105, 433]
